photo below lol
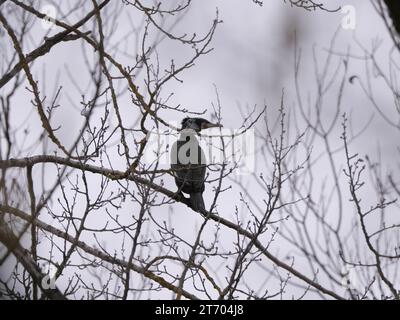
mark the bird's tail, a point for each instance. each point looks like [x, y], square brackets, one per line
[197, 202]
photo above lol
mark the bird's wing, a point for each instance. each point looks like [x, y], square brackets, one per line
[189, 172]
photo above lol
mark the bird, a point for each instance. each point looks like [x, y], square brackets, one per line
[188, 161]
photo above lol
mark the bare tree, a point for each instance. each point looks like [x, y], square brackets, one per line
[89, 210]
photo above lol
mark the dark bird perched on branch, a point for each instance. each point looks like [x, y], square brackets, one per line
[188, 161]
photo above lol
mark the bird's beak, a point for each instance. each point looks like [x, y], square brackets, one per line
[211, 125]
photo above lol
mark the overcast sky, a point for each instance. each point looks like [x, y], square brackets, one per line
[252, 62]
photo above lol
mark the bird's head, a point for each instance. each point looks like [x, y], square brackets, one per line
[198, 124]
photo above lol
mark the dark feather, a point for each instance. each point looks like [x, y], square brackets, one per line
[197, 202]
[189, 170]
[393, 7]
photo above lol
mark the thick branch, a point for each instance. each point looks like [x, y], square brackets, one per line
[8, 238]
[47, 46]
[95, 252]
